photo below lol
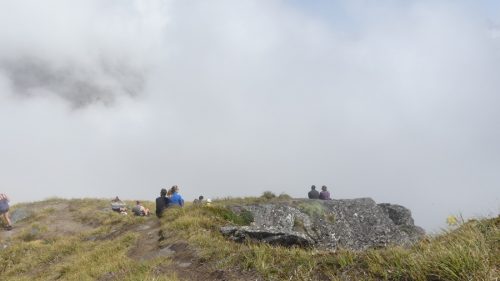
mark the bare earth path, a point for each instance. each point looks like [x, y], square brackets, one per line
[58, 220]
[186, 264]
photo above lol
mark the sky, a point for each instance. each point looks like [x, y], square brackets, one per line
[393, 100]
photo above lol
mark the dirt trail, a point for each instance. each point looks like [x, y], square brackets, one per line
[58, 222]
[186, 264]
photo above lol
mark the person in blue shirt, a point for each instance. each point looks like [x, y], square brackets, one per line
[4, 210]
[176, 198]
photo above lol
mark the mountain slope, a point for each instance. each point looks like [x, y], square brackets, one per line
[84, 240]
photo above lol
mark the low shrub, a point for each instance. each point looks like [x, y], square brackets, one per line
[313, 208]
[284, 196]
[244, 217]
[268, 195]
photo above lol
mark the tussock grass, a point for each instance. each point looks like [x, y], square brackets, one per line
[37, 253]
[469, 252]
[313, 208]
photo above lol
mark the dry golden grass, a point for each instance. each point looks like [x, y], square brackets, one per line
[37, 252]
[470, 251]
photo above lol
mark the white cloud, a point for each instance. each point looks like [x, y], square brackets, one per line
[396, 102]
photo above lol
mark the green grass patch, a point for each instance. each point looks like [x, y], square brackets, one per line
[313, 208]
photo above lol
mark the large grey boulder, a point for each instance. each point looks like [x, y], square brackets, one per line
[355, 224]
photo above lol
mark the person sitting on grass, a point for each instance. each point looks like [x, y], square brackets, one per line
[176, 198]
[4, 210]
[198, 201]
[140, 210]
[162, 202]
[118, 206]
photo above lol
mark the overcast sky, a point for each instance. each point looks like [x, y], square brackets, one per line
[394, 100]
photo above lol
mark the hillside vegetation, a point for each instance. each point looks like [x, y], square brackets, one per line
[82, 239]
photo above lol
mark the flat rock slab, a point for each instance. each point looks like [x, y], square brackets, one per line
[355, 224]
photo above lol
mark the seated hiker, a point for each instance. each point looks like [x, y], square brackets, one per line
[324, 194]
[198, 201]
[176, 198]
[209, 202]
[313, 194]
[162, 202]
[4, 210]
[140, 210]
[117, 205]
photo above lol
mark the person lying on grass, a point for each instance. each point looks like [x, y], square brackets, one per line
[117, 205]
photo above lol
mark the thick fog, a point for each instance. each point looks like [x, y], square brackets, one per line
[383, 99]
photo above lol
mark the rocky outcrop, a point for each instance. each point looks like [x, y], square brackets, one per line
[354, 224]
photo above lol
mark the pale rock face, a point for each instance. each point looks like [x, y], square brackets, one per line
[355, 224]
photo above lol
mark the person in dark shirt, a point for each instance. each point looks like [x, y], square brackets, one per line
[324, 194]
[162, 202]
[198, 201]
[313, 194]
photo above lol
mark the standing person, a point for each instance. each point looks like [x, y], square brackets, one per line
[4, 210]
[176, 198]
[324, 194]
[162, 202]
[313, 194]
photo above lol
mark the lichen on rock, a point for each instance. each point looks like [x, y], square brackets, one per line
[355, 224]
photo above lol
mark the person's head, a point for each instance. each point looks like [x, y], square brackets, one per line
[163, 192]
[116, 199]
[138, 202]
[313, 187]
[201, 197]
[175, 188]
[323, 188]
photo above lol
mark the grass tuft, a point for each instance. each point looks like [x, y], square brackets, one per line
[467, 251]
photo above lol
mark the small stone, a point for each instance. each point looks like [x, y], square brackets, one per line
[184, 264]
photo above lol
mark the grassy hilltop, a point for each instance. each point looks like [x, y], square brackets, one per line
[81, 239]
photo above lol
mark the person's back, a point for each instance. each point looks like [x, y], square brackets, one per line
[198, 201]
[176, 198]
[161, 203]
[140, 210]
[313, 194]
[4, 203]
[137, 210]
[324, 194]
